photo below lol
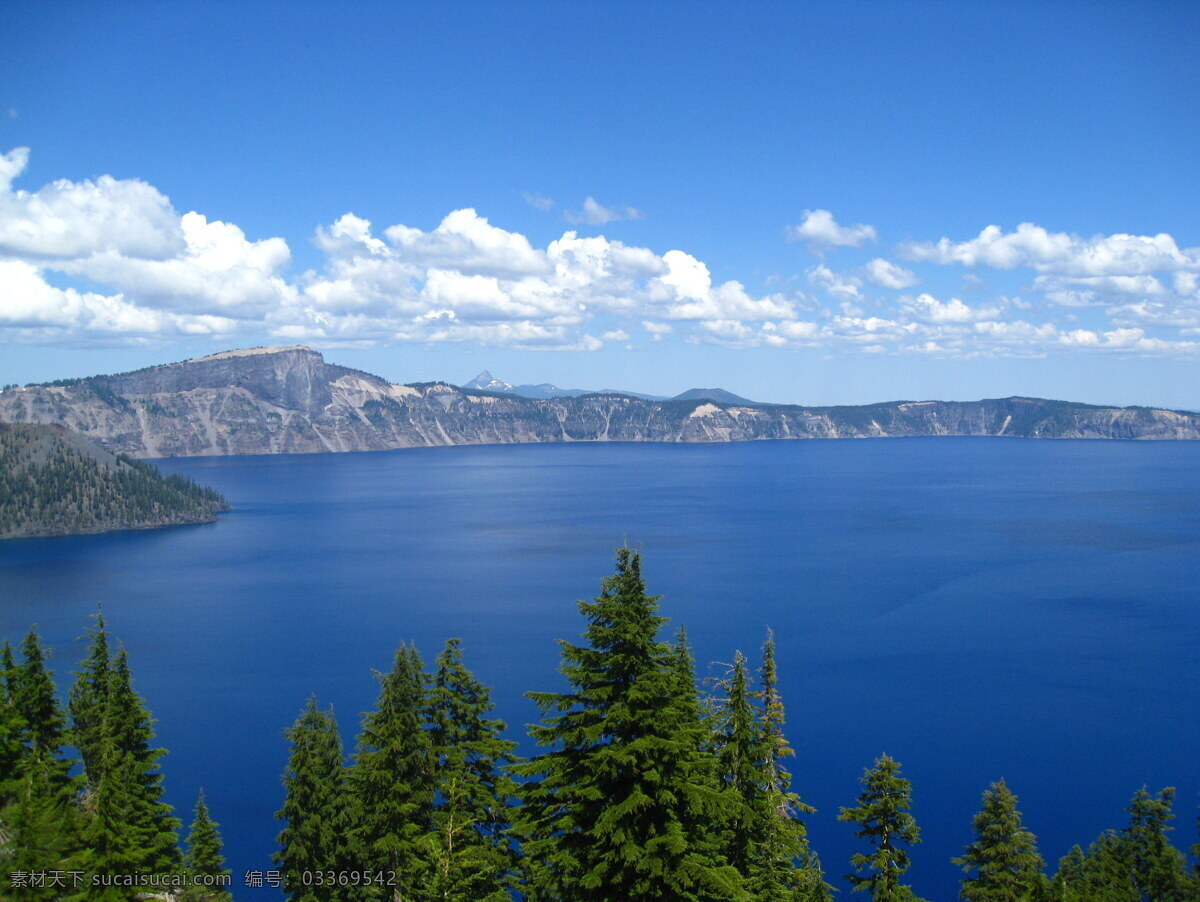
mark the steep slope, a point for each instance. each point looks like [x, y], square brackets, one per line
[273, 400]
[53, 482]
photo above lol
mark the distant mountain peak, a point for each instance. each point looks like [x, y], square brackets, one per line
[488, 382]
[713, 394]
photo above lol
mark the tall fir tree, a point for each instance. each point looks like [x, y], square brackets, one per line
[204, 864]
[626, 803]
[392, 778]
[1004, 856]
[88, 702]
[884, 821]
[316, 811]
[134, 760]
[37, 701]
[472, 855]
[1107, 873]
[40, 820]
[12, 726]
[744, 757]
[792, 870]
[1158, 868]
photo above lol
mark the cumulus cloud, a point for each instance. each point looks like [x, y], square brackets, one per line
[889, 275]
[928, 309]
[1060, 253]
[844, 288]
[595, 213]
[111, 260]
[66, 220]
[819, 229]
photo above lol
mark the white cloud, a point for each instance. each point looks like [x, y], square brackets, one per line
[928, 309]
[889, 275]
[843, 288]
[469, 243]
[538, 201]
[65, 220]
[111, 260]
[595, 213]
[1034, 247]
[820, 229]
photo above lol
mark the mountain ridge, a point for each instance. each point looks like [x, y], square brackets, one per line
[290, 400]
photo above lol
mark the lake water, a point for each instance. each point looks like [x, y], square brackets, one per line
[976, 608]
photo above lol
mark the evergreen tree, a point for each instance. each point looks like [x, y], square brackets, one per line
[887, 825]
[38, 815]
[392, 778]
[318, 818]
[472, 855]
[1107, 873]
[792, 871]
[744, 757]
[625, 804]
[134, 765]
[12, 726]
[1004, 854]
[1157, 867]
[204, 860]
[1069, 877]
[88, 702]
[37, 701]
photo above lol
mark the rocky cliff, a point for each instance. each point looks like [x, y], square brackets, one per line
[275, 400]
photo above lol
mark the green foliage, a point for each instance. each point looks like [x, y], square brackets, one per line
[36, 701]
[1004, 854]
[791, 870]
[88, 702]
[318, 818]
[392, 777]
[49, 487]
[472, 857]
[204, 858]
[36, 794]
[625, 804]
[1157, 867]
[884, 821]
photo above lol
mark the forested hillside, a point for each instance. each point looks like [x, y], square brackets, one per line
[643, 788]
[53, 482]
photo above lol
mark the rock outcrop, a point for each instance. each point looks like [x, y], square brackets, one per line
[289, 400]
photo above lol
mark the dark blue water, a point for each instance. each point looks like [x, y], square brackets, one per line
[976, 608]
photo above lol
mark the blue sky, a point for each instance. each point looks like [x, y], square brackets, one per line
[822, 203]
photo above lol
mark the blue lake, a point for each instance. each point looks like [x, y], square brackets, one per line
[976, 608]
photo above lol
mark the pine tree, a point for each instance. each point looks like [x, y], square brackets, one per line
[204, 861]
[472, 855]
[744, 757]
[1004, 854]
[134, 769]
[1157, 867]
[318, 818]
[1107, 873]
[1069, 877]
[37, 701]
[392, 777]
[89, 700]
[886, 824]
[625, 804]
[12, 725]
[39, 818]
[792, 870]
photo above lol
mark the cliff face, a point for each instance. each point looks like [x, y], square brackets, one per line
[277, 400]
